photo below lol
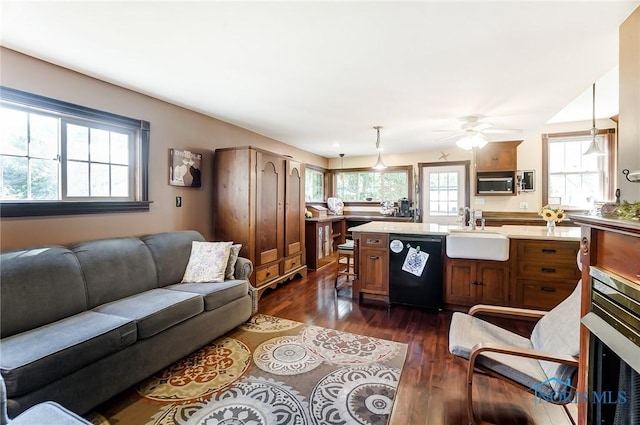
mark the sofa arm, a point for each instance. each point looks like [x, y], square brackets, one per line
[244, 268]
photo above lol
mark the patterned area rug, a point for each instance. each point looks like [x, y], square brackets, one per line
[269, 371]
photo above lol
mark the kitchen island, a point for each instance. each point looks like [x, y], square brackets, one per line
[541, 269]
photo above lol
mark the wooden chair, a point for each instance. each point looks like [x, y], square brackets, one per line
[345, 263]
[545, 364]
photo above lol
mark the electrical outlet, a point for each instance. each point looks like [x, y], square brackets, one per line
[524, 205]
[178, 201]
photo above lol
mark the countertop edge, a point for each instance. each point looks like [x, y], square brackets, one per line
[565, 233]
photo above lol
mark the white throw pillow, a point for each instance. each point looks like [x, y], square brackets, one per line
[233, 258]
[208, 262]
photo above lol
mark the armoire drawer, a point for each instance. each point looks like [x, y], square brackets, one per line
[292, 263]
[266, 274]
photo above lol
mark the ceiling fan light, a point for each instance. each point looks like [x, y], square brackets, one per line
[470, 141]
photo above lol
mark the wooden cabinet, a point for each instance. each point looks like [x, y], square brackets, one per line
[258, 201]
[495, 167]
[470, 282]
[322, 237]
[498, 156]
[372, 262]
[545, 272]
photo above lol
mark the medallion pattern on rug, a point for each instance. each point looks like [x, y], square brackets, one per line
[269, 371]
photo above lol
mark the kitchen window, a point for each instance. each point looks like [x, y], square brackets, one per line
[60, 158]
[575, 181]
[365, 185]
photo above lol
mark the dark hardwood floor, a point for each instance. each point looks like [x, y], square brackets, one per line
[432, 388]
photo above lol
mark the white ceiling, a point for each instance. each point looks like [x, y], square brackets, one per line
[315, 74]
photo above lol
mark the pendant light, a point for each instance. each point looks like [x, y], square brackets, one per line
[379, 164]
[594, 148]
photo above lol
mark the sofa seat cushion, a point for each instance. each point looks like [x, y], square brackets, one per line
[49, 413]
[155, 310]
[32, 359]
[215, 294]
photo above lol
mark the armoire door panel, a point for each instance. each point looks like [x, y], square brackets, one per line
[294, 213]
[269, 256]
[270, 215]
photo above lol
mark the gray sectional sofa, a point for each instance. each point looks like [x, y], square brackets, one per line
[81, 323]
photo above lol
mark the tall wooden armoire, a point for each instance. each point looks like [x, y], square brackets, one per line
[258, 201]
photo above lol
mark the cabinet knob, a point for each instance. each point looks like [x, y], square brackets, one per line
[548, 251]
[547, 289]
[475, 282]
[547, 270]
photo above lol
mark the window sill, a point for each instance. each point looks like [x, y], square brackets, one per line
[35, 209]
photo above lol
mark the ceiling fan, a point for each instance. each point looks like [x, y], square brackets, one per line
[472, 132]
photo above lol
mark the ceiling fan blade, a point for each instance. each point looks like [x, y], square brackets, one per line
[481, 126]
[502, 131]
[451, 136]
[446, 130]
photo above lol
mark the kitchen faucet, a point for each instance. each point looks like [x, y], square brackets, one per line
[471, 223]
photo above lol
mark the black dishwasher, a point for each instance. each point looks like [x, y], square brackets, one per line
[416, 270]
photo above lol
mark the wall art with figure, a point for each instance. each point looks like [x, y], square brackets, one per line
[184, 168]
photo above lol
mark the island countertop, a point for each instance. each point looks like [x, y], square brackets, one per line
[563, 233]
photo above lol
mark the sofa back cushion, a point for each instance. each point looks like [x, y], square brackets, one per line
[39, 285]
[171, 251]
[115, 268]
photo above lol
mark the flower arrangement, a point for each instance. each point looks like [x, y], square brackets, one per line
[550, 214]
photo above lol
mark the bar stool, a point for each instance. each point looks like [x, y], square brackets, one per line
[345, 253]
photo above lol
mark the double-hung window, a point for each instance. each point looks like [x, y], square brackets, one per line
[60, 158]
[573, 180]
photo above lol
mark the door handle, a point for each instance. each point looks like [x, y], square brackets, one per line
[374, 257]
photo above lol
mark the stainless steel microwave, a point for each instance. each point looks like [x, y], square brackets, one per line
[494, 185]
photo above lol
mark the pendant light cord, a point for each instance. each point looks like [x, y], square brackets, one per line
[594, 106]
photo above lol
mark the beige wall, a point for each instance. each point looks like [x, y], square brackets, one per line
[529, 158]
[171, 127]
[629, 127]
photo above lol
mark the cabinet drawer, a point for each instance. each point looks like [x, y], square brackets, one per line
[542, 295]
[547, 251]
[292, 263]
[548, 271]
[374, 240]
[266, 274]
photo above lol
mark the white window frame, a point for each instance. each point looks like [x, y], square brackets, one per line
[605, 170]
